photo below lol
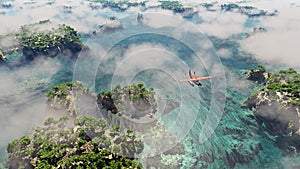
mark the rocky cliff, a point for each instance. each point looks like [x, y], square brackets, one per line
[276, 107]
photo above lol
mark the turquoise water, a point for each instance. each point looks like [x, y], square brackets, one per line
[210, 119]
[236, 130]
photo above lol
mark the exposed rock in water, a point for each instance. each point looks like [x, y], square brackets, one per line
[276, 108]
[256, 75]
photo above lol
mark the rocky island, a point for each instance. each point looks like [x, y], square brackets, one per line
[134, 101]
[75, 140]
[122, 106]
[175, 6]
[38, 39]
[87, 143]
[276, 107]
[66, 96]
[250, 11]
[121, 100]
[259, 75]
[133, 106]
[118, 6]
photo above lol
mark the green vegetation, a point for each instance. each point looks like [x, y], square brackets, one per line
[134, 92]
[78, 142]
[43, 38]
[290, 124]
[44, 21]
[261, 68]
[64, 95]
[88, 144]
[44, 42]
[257, 74]
[254, 94]
[120, 5]
[231, 6]
[286, 82]
[137, 94]
[175, 6]
[138, 91]
[207, 5]
[250, 11]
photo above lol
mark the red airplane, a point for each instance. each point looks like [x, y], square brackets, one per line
[194, 80]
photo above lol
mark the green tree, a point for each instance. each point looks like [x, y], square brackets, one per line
[77, 149]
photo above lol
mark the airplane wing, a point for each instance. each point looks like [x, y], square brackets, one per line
[196, 79]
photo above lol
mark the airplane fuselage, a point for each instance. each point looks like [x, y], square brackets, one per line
[192, 76]
[193, 80]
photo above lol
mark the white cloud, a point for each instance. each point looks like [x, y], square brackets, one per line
[39, 68]
[158, 18]
[147, 55]
[271, 4]
[152, 3]
[221, 24]
[79, 18]
[224, 53]
[21, 104]
[279, 44]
